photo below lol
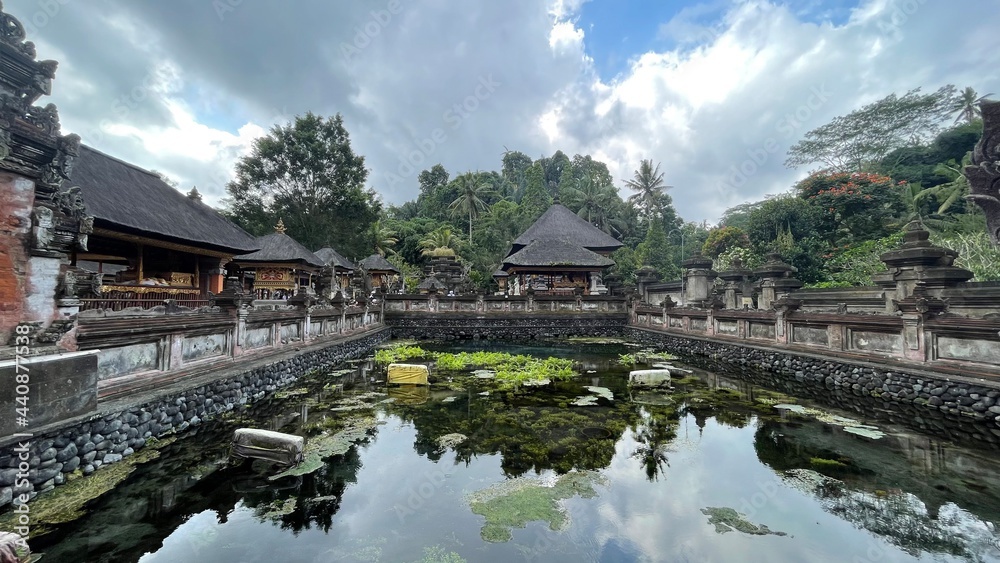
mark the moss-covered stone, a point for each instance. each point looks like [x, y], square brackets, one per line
[66, 503]
[326, 445]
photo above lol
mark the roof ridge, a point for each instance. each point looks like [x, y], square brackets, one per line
[129, 164]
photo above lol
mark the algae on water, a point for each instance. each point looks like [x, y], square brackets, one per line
[323, 446]
[515, 502]
[66, 503]
[727, 519]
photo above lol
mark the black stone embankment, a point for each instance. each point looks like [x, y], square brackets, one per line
[123, 426]
[962, 410]
[458, 326]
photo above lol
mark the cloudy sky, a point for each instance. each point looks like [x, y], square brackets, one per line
[704, 88]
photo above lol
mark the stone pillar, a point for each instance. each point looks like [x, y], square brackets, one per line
[918, 264]
[645, 276]
[217, 278]
[234, 301]
[736, 279]
[699, 279]
[776, 280]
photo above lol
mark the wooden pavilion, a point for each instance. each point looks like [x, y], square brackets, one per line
[341, 267]
[150, 242]
[559, 254]
[380, 271]
[279, 268]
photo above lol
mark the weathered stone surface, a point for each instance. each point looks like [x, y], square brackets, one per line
[61, 387]
[110, 437]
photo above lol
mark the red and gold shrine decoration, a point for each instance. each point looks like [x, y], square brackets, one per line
[277, 278]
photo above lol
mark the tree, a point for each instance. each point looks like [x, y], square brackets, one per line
[593, 202]
[515, 167]
[648, 184]
[440, 238]
[860, 140]
[723, 239]
[384, 237]
[536, 195]
[966, 104]
[858, 206]
[470, 198]
[306, 174]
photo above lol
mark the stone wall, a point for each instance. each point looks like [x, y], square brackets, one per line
[961, 409]
[423, 326]
[16, 199]
[122, 427]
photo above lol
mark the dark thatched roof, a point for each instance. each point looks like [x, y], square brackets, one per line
[377, 262]
[122, 196]
[279, 247]
[559, 223]
[331, 257]
[431, 282]
[500, 273]
[556, 253]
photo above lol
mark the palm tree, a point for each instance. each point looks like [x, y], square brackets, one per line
[384, 237]
[442, 237]
[596, 203]
[967, 105]
[949, 192]
[470, 198]
[648, 184]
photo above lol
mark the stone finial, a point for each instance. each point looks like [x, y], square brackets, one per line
[280, 227]
[984, 173]
[194, 194]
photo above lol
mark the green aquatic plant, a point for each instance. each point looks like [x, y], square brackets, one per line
[727, 519]
[437, 554]
[646, 356]
[515, 502]
[400, 354]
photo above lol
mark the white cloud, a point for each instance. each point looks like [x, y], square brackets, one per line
[742, 76]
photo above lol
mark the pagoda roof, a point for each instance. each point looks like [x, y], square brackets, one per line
[377, 262]
[431, 282]
[553, 253]
[559, 223]
[279, 247]
[331, 257]
[122, 196]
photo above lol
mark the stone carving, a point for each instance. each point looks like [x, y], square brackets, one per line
[12, 33]
[984, 173]
[70, 202]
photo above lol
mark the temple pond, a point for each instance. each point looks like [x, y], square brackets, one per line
[710, 470]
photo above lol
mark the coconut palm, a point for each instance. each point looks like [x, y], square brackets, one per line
[967, 105]
[648, 184]
[470, 198]
[440, 238]
[384, 237]
[596, 203]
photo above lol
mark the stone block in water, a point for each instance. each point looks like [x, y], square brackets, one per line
[408, 374]
[278, 447]
[649, 378]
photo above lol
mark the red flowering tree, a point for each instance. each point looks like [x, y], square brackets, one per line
[858, 206]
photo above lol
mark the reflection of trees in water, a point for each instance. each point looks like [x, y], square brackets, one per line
[317, 495]
[863, 497]
[530, 434]
[901, 518]
[655, 431]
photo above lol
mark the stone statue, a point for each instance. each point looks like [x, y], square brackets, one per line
[984, 173]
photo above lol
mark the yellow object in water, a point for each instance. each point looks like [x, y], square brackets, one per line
[408, 374]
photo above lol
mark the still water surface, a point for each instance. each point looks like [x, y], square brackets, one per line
[651, 476]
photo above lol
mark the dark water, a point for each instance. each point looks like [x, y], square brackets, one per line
[653, 461]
